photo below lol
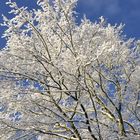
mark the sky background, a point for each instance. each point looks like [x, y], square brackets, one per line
[114, 11]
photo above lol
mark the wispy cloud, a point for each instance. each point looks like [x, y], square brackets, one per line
[110, 7]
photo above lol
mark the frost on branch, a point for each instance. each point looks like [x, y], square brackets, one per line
[61, 80]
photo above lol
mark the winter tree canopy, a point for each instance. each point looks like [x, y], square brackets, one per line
[60, 80]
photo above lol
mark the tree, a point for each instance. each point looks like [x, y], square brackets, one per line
[63, 80]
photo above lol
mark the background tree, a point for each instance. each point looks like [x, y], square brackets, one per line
[61, 80]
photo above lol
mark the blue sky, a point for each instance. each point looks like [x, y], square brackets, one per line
[115, 11]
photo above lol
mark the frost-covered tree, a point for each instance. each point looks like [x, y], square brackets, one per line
[62, 80]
